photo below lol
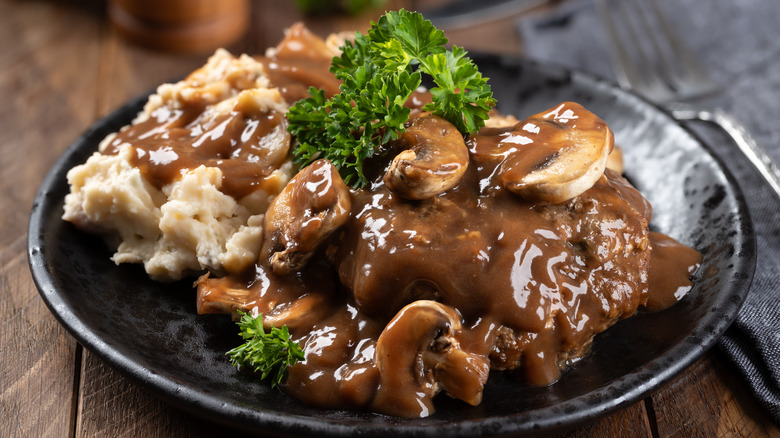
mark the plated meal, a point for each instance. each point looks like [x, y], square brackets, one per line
[380, 242]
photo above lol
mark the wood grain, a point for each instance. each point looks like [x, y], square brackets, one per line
[61, 68]
[47, 76]
[710, 400]
[112, 406]
[629, 422]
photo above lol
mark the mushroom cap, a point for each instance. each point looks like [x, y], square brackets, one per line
[435, 161]
[418, 355]
[566, 153]
[310, 208]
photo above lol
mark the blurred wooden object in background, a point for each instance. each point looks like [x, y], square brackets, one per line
[180, 25]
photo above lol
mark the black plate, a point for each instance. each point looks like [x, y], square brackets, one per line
[150, 331]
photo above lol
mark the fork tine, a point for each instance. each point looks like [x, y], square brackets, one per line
[693, 80]
[627, 70]
[624, 69]
[690, 79]
[666, 72]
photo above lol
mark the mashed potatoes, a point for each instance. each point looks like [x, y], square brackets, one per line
[189, 220]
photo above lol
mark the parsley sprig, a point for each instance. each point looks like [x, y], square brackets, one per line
[379, 72]
[269, 353]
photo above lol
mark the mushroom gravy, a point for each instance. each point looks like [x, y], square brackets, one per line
[247, 141]
[246, 149]
[531, 285]
[412, 297]
[393, 298]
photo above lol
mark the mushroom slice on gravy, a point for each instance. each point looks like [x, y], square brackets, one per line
[435, 161]
[418, 355]
[314, 203]
[565, 153]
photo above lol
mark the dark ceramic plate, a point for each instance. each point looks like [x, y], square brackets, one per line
[152, 333]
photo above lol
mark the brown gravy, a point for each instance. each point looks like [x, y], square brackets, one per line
[672, 265]
[172, 142]
[246, 144]
[300, 61]
[530, 285]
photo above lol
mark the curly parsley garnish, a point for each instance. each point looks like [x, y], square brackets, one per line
[379, 72]
[269, 353]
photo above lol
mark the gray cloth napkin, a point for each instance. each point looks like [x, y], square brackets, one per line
[739, 42]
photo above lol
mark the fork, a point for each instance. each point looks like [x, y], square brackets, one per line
[662, 69]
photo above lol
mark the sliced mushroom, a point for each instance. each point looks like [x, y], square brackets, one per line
[314, 203]
[302, 313]
[564, 153]
[297, 301]
[221, 295]
[434, 162]
[418, 355]
[615, 160]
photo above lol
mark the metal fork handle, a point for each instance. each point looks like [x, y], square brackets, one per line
[754, 152]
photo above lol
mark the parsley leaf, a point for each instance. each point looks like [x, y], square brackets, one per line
[379, 72]
[269, 353]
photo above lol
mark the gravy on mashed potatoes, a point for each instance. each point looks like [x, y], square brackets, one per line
[183, 188]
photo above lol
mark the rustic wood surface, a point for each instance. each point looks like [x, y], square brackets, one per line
[61, 68]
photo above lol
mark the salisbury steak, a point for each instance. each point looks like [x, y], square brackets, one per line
[539, 281]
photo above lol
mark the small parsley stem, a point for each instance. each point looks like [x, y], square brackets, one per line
[269, 353]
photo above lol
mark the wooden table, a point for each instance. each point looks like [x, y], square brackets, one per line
[61, 68]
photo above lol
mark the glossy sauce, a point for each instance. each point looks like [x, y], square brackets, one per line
[300, 61]
[532, 284]
[670, 257]
[246, 144]
[246, 148]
